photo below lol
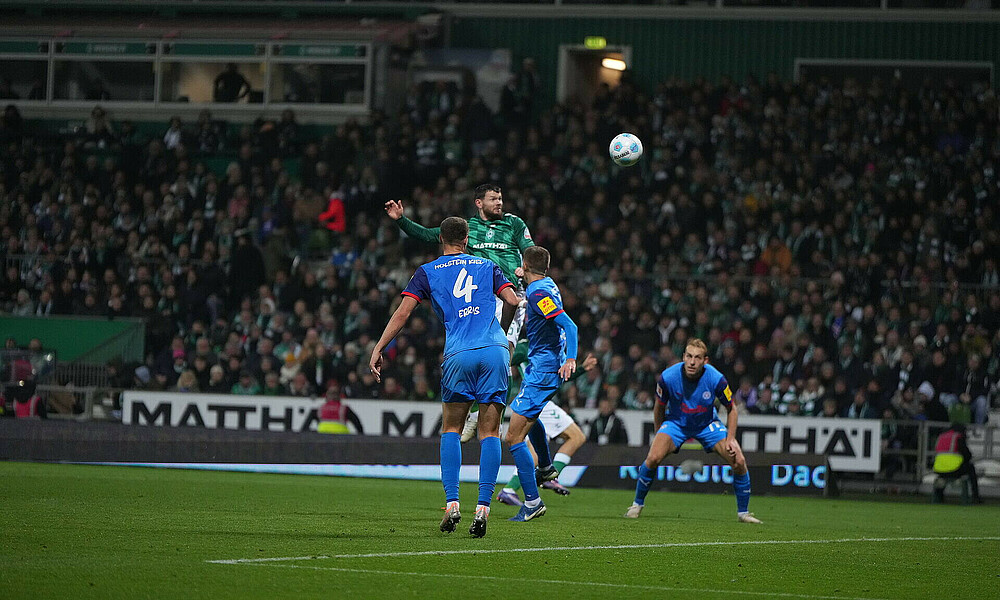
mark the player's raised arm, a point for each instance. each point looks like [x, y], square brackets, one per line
[394, 208]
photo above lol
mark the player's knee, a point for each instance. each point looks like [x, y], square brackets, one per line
[740, 463]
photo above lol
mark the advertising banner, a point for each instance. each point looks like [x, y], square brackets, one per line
[788, 474]
[850, 444]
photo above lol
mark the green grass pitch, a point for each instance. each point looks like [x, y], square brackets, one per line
[113, 532]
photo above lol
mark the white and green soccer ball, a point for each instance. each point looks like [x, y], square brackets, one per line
[625, 149]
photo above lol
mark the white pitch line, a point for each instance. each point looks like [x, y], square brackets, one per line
[568, 582]
[241, 561]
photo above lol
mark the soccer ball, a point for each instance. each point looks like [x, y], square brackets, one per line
[691, 466]
[625, 149]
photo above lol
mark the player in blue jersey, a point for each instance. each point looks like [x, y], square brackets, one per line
[552, 347]
[685, 408]
[462, 290]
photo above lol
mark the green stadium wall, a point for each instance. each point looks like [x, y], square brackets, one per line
[73, 338]
[689, 48]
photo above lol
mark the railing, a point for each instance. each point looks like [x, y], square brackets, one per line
[70, 402]
[915, 454]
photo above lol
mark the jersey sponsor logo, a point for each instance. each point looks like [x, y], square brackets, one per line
[693, 410]
[491, 246]
[546, 305]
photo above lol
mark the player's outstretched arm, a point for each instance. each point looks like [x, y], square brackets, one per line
[394, 208]
[392, 328]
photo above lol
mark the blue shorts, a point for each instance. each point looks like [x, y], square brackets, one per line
[480, 375]
[708, 437]
[536, 389]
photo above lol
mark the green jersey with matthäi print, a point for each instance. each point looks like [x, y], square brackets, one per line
[501, 240]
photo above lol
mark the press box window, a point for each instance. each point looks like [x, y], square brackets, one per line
[213, 82]
[26, 78]
[310, 83]
[103, 80]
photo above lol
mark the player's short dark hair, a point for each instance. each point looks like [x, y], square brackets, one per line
[536, 259]
[486, 187]
[454, 230]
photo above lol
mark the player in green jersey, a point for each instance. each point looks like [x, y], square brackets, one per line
[493, 234]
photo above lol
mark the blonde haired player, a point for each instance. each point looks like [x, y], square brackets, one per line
[685, 408]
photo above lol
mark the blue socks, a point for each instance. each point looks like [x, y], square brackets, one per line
[525, 469]
[540, 441]
[741, 486]
[489, 466]
[451, 462]
[643, 481]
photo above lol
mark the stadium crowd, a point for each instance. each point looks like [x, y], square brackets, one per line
[836, 245]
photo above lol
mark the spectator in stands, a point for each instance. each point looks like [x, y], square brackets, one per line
[273, 386]
[974, 389]
[862, 407]
[230, 85]
[98, 127]
[607, 427]
[929, 407]
[187, 381]
[217, 383]
[246, 385]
